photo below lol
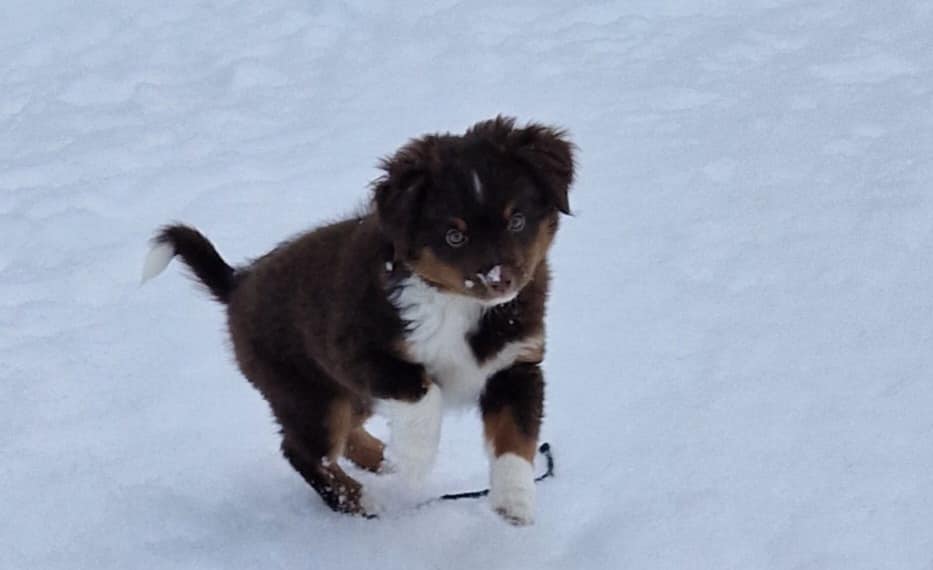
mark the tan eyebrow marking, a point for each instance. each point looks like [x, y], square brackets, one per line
[459, 224]
[509, 209]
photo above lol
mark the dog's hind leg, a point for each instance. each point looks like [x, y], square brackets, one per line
[338, 490]
[316, 416]
[314, 451]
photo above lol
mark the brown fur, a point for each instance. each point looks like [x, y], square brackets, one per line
[505, 436]
[435, 271]
[339, 424]
[365, 450]
[312, 325]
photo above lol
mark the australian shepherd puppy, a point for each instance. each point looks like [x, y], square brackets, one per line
[435, 296]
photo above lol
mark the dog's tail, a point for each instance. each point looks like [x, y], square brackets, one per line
[197, 252]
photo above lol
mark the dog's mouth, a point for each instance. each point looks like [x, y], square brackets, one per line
[492, 285]
[495, 286]
[493, 301]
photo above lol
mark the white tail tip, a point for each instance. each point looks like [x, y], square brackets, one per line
[157, 260]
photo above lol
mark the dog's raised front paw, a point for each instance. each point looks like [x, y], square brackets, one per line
[415, 434]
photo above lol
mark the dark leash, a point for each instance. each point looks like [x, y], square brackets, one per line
[544, 449]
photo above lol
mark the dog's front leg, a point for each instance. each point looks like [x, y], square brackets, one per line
[415, 434]
[413, 405]
[512, 405]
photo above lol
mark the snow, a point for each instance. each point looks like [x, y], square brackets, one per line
[739, 339]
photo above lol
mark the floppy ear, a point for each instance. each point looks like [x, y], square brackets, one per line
[549, 155]
[399, 193]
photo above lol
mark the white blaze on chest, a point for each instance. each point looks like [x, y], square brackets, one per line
[438, 326]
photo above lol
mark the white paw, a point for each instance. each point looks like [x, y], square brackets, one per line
[512, 489]
[415, 434]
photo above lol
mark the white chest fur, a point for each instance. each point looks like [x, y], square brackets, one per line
[439, 324]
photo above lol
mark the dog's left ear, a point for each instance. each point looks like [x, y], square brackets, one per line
[398, 194]
[549, 155]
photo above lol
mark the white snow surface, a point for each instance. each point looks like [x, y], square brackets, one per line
[740, 336]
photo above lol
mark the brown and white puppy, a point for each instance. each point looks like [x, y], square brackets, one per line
[436, 295]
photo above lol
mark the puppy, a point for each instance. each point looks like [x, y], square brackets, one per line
[436, 295]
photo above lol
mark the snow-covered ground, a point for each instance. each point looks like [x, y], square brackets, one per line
[741, 334]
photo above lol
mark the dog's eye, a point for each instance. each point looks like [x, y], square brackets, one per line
[456, 238]
[517, 222]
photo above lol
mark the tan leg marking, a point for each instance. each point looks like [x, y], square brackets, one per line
[344, 424]
[365, 450]
[504, 436]
[532, 352]
[339, 423]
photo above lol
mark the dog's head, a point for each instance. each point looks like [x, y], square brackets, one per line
[475, 214]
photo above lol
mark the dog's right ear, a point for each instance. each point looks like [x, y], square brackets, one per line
[399, 193]
[549, 153]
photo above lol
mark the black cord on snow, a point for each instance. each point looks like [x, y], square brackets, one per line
[544, 449]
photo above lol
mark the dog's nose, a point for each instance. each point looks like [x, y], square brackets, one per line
[498, 279]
